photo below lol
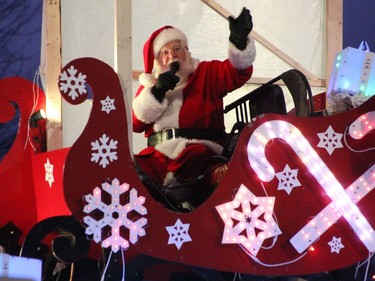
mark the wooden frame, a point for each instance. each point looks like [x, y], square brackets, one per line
[334, 11]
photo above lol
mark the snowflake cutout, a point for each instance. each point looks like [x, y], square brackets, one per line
[248, 220]
[108, 104]
[48, 167]
[104, 150]
[336, 245]
[330, 140]
[288, 179]
[115, 215]
[178, 234]
[72, 84]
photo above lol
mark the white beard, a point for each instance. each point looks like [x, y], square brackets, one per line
[186, 68]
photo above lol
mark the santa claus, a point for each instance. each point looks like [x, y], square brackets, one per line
[179, 105]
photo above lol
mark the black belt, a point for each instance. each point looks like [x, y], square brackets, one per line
[201, 134]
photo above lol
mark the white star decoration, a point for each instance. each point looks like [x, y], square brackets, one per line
[330, 140]
[178, 234]
[336, 244]
[48, 167]
[288, 179]
[108, 104]
[248, 220]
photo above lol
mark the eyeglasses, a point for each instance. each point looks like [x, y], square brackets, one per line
[177, 49]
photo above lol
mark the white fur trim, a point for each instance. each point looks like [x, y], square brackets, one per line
[146, 79]
[147, 108]
[170, 116]
[242, 59]
[168, 35]
[172, 148]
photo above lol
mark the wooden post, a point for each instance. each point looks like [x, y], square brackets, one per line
[52, 67]
[123, 53]
[334, 19]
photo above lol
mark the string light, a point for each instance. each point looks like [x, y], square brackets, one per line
[115, 216]
[362, 125]
[341, 200]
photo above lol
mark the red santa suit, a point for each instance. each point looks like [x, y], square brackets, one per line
[195, 104]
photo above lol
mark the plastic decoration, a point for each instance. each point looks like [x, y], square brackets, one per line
[72, 84]
[330, 214]
[288, 179]
[105, 151]
[254, 217]
[342, 203]
[49, 172]
[362, 125]
[115, 215]
[336, 245]
[352, 79]
[108, 104]
[330, 140]
[178, 233]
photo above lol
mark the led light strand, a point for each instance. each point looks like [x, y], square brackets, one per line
[248, 220]
[272, 264]
[329, 215]
[351, 148]
[316, 166]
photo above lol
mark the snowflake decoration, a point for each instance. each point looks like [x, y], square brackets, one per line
[253, 218]
[178, 234]
[108, 104]
[330, 140]
[72, 84]
[48, 167]
[104, 150]
[336, 244]
[288, 179]
[115, 215]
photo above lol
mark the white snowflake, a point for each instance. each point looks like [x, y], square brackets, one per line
[330, 140]
[178, 234]
[108, 104]
[288, 179]
[248, 220]
[336, 244]
[115, 215]
[48, 167]
[72, 84]
[105, 151]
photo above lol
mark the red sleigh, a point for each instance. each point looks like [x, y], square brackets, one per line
[296, 198]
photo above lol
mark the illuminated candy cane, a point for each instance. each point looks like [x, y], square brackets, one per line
[362, 125]
[342, 203]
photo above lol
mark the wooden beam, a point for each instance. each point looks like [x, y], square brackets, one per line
[334, 32]
[225, 13]
[52, 67]
[123, 53]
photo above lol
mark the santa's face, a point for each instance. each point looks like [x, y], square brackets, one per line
[175, 51]
[170, 52]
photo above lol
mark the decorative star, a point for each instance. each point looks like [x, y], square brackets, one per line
[178, 234]
[330, 140]
[108, 104]
[288, 179]
[336, 244]
[48, 167]
[248, 220]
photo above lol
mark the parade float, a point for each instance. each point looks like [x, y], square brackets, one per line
[293, 196]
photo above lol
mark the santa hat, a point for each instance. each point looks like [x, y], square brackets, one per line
[156, 41]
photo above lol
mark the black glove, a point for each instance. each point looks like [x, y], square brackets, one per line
[166, 81]
[240, 29]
